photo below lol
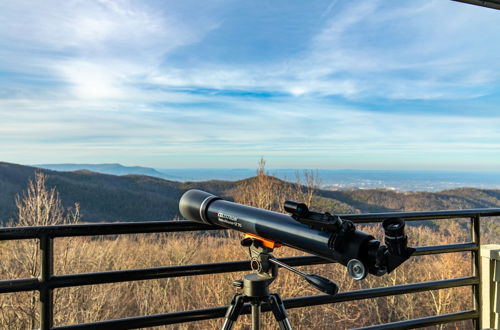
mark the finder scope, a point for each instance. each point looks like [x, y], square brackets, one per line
[321, 234]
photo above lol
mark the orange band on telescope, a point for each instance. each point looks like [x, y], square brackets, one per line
[265, 242]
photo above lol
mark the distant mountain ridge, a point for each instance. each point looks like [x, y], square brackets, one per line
[401, 180]
[108, 198]
[112, 168]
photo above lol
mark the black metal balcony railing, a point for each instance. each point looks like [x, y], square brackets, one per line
[494, 4]
[47, 281]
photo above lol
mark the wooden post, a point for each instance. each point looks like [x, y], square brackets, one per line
[490, 282]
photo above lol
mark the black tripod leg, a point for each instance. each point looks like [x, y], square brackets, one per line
[279, 311]
[233, 311]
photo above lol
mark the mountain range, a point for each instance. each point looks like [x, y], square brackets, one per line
[132, 197]
[401, 180]
[114, 169]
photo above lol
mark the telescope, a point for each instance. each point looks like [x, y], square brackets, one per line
[321, 234]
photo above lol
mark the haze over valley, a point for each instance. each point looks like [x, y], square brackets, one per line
[339, 179]
[136, 197]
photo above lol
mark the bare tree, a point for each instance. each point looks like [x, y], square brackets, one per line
[267, 192]
[258, 191]
[41, 207]
[38, 206]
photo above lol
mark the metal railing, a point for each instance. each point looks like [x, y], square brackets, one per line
[48, 281]
[493, 4]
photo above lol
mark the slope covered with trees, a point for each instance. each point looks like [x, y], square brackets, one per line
[106, 198]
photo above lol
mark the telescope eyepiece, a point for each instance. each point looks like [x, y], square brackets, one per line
[297, 209]
[395, 237]
[394, 227]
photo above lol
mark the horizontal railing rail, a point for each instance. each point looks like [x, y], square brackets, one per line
[48, 281]
[81, 279]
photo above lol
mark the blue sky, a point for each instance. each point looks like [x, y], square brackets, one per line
[305, 84]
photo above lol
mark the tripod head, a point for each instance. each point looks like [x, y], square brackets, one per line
[266, 265]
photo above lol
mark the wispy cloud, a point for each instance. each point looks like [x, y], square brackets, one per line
[418, 50]
[323, 84]
[94, 48]
[274, 130]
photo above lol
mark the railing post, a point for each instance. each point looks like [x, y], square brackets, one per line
[476, 269]
[46, 272]
[490, 280]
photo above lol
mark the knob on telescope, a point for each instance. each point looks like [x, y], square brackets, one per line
[356, 269]
[296, 209]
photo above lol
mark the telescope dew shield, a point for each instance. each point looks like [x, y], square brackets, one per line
[193, 205]
[203, 207]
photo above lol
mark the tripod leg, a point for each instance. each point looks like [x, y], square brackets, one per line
[279, 311]
[233, 311]
[256, 315]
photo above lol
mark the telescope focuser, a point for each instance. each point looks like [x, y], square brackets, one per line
[377, 259]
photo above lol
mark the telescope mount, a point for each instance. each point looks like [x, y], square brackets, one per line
[256, 285]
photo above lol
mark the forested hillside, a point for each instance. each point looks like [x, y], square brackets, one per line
[376, 200]
[106, 198]
[102, 197]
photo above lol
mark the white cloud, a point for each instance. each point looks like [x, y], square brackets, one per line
[93, 79]
[426, 50]
[274, 128]
[417, 50]
[99, 48]
[92, 26]
[364, 49]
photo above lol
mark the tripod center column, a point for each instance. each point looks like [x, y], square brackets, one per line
[256, 314]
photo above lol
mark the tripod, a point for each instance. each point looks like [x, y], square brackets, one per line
[257, 293]
[256, 285]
